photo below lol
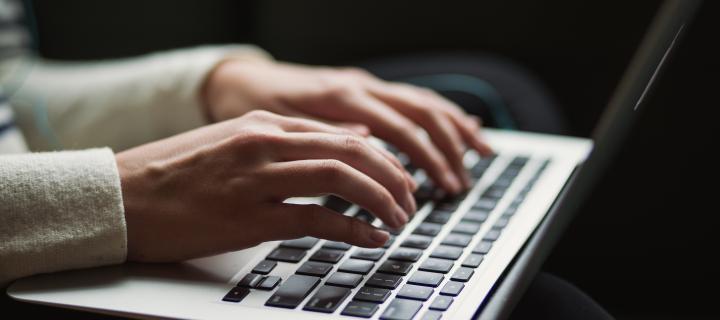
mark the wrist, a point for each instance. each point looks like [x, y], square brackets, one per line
[222, 94]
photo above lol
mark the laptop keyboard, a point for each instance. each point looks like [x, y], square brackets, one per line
[404, 275]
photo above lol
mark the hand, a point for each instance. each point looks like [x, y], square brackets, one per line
[391, 111]
[221, 187]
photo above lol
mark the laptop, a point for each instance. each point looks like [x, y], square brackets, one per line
[469, 256]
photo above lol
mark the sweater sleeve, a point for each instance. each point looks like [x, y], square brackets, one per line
[118, 103]
[59, 211]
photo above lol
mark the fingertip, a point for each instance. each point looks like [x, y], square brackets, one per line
[379, 237]
[411, 182]
[452, 182]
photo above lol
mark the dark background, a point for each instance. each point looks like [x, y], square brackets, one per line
[644, 245]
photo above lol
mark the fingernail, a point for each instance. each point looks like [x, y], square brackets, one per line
[451, 179]
[411, 180]
[400, 218]
[379, 236]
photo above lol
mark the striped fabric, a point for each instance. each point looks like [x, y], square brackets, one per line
[14, 40]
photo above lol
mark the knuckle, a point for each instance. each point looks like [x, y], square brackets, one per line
[354, 145]
[255, 140]
[259, 114]
[356, 72]
[339, 90]
[332, 170]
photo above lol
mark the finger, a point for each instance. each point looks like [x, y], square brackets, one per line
[295, 124]
[442, 131]
[310, 178]
[470, 130]
[294, 221]
[410, 180]
[357, 128]
[354, 151]
[397, 129]
[468, 125]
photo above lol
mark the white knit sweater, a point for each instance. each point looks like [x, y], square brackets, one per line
[63, 210]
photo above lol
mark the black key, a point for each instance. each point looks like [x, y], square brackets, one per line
[501, 223]
[327, 299]
[337, 204]
[365, 215]
[447, 252]
[462, 274]
[478, 216]
[432, 315]
[456, 239]
[344, 279]
[511, 172]
[336, 245]
[401, 309]
[268, 283]
[312, 268]
[441, 303]
[485, 204]
[392, 231]
[264, 267]
[356, 266]
[381, 280]
[519, 161]
[428, 229]
[452, 288]
[439, 217]
[395, 267]
[327, 255]
[287, 255]
[494, 193]
[436, 265]
[390, 241]
[305, 243]
[479, 168]
[417, 241]
[293, 291]
[473, 260]
[360, 309]
[503, 182]
[447, 206]
[236, 294]
[492, 235]
[406, 254]
[250, 280]
[411, 291]
[467, 227]
[483, 247]
[370, 294]
[368, 254]
[510, 211]
[429, 279]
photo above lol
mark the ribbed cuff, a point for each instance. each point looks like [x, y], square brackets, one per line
[60, 211]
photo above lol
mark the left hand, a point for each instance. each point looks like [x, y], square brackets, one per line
[391, 111]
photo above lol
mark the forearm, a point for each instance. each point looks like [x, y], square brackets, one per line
[120, 103]
[59, 211]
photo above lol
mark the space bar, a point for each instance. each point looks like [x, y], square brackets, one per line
[293, 291]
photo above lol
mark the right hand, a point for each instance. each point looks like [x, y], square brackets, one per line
[221, 187]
